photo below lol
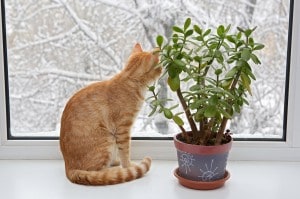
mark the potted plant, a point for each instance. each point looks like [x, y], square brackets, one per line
[210, 72]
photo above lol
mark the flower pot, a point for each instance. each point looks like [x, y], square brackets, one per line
[205, 164]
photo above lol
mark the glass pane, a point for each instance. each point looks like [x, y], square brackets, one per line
[56, 47]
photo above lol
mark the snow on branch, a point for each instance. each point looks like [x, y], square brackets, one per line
[93, 36]
[47, 40]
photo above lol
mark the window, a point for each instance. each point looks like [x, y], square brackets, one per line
[54, 48]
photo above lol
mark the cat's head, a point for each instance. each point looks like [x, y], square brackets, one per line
[143, 66]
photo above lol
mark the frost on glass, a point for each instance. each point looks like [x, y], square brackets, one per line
[56, 47]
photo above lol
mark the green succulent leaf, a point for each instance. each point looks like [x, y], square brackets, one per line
[173, 107]
[224, 113]
[246, 54]
[218, 71]
[168, 113]
[151, 88]
[179, 63]
[219, 56]
[251, 42]
[177, 29]
[226, 83]
[231, 39]
[239, 36]
[198, 29]
[255, 59]
[207, 32]
[246, 82]
[237, 108]
[175, 38]
[228, 28]
[159, 40]
[174, 83]
[214, 45]
[245, 101]
[155, 103]
[199, 115]
[249, 73]
[178, 120]
[226, 105]
[188, 33]
[232, 72]
[174, 69]
[213, 101]
[258, 46]
[198, 103]
[195, 87]
[154, 108]
[248, 32]
[221, 31]
[240, 29]
[210, 111]
[187, 23]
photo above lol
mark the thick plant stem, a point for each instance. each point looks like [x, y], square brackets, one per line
[187, 113]
[185, 134]
[221, 131]
[224, 120]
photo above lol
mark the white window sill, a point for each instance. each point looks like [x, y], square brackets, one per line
[30, 179]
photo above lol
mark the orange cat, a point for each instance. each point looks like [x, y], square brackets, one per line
[96, 122]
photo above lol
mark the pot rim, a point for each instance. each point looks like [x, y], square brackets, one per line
[200, 149]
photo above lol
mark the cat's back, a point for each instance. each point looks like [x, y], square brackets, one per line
[87, 94]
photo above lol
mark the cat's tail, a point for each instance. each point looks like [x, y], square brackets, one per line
[111, 175]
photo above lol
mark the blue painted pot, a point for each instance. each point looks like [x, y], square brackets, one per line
[202, 163]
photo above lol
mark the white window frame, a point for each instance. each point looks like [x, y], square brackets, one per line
[164, 149]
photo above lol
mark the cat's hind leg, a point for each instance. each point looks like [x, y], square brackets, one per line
[115, 157]
[123, 144]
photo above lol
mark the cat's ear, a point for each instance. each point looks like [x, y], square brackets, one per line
[137, 48]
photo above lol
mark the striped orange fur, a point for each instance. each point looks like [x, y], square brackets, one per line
[96, 123]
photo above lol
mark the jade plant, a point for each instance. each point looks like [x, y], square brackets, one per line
[211, 73]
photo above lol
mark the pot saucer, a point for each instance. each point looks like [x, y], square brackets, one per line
[201, 185]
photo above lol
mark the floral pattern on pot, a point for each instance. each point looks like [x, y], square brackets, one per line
[201, 167]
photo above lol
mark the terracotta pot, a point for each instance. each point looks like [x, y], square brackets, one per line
[202, 163]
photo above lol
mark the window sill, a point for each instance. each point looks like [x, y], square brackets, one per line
[29, 179]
